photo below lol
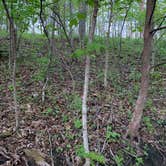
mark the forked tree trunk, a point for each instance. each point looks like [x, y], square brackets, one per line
[86, 84]
[146, 54]
[13, 53]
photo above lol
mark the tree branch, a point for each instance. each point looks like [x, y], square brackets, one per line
[7, 12]
[157, 29]
[157, 65]
[60, 22]
[154, 5]
[42, 22]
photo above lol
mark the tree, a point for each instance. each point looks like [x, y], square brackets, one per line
[86, 82]
[82, 26]
[13, 51]
[146, 55]
[107, 44]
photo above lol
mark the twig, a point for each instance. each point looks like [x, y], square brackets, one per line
[51, 149]
[43, 90]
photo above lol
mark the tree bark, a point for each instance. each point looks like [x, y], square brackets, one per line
[146, 54]
[70, 28]
[13, 52]
[82, 24]
[107, 44]
[86, 83]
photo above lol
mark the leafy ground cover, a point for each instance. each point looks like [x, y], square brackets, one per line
[54, 127]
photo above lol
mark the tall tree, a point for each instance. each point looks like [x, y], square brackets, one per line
[107, 43]
[13, 51]
[146, 55]
[86, 82]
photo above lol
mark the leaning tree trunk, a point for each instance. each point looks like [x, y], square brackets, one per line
[146, 54]
[86, 84]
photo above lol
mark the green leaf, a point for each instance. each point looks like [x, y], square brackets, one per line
[94, 156]
[73, 22]
[81, 16]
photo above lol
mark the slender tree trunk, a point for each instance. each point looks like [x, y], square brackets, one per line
[71, 30]
[86, 83]
[146, 54]
[13, 52]
[107, 50]
[121, 30]
[82, 24]
[153, 57]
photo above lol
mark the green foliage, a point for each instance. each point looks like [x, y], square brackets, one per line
[149, 104]
[69, 136]
[91, 50]
[3, 33]
[135, 75]
[92, 155]
[119, 160]
[48, 111]
[156, 75]
[51, 111]
[111, 135]
[73, 22]
[139, 161]
[147, 122]
[65, 118]
[10, 87]
[77, 124]
[75, 102]
[42, 64]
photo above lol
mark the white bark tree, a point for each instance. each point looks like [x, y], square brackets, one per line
[86, 83]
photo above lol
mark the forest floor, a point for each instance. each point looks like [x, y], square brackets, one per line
[54, 126]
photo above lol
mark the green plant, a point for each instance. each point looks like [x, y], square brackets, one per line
[68, 146]
[77, 124]
[111, 135]
[76, 102]
[94, 156]
[139, 161]
[91, 49]
[48, 111]
[10, 87]
[135, 75]
[149, 103]
[156, 75]
[51, 111]
[69, 136]
[65, 118]
[119, 160]
[148, 124]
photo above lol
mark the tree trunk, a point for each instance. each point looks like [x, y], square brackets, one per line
[82, 24]
[86, 83]
[107, 49]
[71, 30]
[146, 54]
[13, 52]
